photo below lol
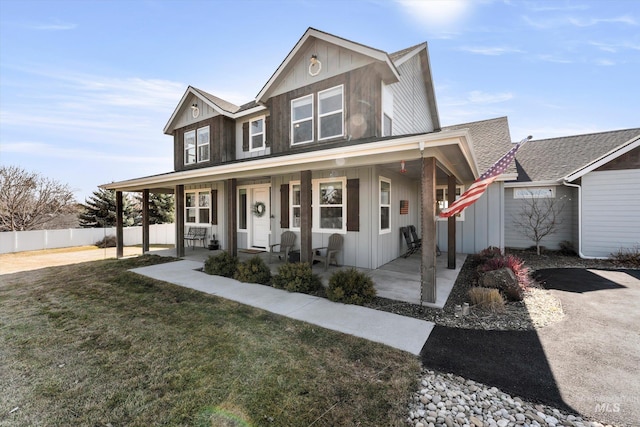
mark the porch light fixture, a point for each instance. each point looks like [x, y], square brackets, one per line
[314, 65]
[402, 167]
[194, 106]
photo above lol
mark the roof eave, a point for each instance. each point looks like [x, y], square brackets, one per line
[605, 158]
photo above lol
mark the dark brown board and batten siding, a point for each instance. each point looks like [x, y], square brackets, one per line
[221, 142]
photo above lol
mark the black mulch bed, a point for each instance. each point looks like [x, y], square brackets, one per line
[513, 361]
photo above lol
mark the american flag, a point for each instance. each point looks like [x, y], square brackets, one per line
[479, 186]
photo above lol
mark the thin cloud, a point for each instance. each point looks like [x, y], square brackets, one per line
[615, 47]
[489, 50]
[605, 62]
[479, 97]
[564, 21]
[588, 22]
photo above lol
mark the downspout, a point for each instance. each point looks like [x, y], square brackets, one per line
[579, 187]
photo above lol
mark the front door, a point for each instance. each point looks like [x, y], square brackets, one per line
[260, 217]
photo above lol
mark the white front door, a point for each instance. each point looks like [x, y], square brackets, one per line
[260, 222]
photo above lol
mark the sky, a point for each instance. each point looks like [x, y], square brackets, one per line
[86, 87]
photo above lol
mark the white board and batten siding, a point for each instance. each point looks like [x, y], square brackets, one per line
[185, 117]
[411, 112]
[610, 211]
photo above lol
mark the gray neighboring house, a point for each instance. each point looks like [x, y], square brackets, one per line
[598, 177]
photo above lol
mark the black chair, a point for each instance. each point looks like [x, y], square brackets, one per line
[412, 247]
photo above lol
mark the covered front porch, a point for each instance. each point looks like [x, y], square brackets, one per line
[398, 280]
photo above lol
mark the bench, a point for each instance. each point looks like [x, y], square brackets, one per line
[194, 234]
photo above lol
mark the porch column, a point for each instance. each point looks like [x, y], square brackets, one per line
[145, 221]
[119, 225]
[451, 225]
[428, 261]
[179, 221]
[232, 217]
[305, 217]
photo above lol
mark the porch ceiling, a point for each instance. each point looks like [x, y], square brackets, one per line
[452, 150]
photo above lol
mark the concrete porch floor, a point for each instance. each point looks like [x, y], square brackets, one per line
[398, 280]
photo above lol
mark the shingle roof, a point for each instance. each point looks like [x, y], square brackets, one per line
[399, 54]
[554, 158]
[224, 105]
[491, 140]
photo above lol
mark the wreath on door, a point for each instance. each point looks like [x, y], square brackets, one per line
[259, 209]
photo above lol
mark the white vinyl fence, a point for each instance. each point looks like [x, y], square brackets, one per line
[18, 241]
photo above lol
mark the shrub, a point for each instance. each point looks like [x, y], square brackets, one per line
[223, 264]
[486, 254]
[253, 271]
[296, 277]
[107, 242]
[627, 257]
[486, 298]
[351, 287]
[566, 248]
[508, 261]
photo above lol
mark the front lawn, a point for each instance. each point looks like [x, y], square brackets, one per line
[93, 344]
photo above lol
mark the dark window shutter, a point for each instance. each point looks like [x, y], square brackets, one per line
[284, 206]
[267, 125]
[353, 205]
[214, 207]
[245, 136]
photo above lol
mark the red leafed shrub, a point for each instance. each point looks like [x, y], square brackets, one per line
[509, 261]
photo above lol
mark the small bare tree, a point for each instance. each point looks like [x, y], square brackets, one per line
[29, 200]
[539, 217]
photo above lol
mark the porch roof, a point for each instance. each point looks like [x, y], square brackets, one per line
[452, 149]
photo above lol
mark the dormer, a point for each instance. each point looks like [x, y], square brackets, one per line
[203, 130]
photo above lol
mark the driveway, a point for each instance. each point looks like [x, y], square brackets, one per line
[587, 363]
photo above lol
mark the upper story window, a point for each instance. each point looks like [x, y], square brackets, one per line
[331, 113]
[442, 199]
[302, 120]
[198, 207]
[196, 150]
[257, 134]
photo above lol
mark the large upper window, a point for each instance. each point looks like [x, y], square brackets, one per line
[442, 199]
[385, 205]
[257, 134]
[198, 207]
[330, 113]
[302, 120]
[196, 150]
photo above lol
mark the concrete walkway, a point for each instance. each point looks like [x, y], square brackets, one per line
[404, 333]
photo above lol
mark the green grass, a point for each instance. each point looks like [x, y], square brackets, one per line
[93, 344]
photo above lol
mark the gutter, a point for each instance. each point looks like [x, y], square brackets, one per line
[579, 187]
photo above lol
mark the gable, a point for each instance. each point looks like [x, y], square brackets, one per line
[335, 55]
[334, 60]
[629, 160]
[185, 115]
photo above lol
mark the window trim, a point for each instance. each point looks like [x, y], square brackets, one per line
[534, 192]
[198, 145]
[445, 188]
[381, 205]
[197, 207]
[321, 116]
[294, 122]
[292, 206]
[316, 206]
[194, 147]
[263, 133]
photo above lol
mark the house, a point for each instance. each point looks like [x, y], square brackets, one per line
[343, 138]
[594, 177]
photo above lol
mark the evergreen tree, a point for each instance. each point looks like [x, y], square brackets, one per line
[100, 210]
[161, 207]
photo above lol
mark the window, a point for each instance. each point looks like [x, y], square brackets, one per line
[242, 209]
[330, 113]
[387, 110]
[257, 134]
[385, 205]
[198, 207]
[203, 144]
[442, 197]
[302, 120]
[534, 193]
[295, 205]
[387, 124]
[330, 209]
[190, 147]
[199, 153]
